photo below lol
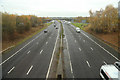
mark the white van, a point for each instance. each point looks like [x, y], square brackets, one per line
[109, 72]
[77, 30]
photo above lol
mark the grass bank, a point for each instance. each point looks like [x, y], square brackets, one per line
[110, 39]
[80, 25]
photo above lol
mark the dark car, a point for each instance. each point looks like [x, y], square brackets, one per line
[56, 27]
[45, 31]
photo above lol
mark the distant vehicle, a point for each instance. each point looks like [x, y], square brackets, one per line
[45, 31]
[109, 72]
[78, 30]
[56, 27]
[117, 65]
[65, 21]
[53, 21]
[69, 22]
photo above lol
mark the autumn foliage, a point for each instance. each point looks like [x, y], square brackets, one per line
[104, 21]
[15, 25]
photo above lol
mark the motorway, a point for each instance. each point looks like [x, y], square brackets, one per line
[31, 59]
[86, 53]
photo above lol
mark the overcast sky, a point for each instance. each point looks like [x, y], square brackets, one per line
[54, 8]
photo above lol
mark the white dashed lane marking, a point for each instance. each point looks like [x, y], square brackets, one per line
[41, 51]
[11, 70]
[91, 48]
[28, 52]
[88, 63]
[46, 42]
[79, 49]
[29, 70]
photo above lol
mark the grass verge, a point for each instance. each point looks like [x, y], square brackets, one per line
[110, 39]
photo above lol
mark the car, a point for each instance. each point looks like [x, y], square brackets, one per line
[52, 21]
[56, 27]
[65, 21]
[78, 30]
[117, 65]
[45, 31]
[69, 22]
[109, 72]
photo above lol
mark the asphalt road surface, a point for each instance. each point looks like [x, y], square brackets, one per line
[32, 58]
[86, 53]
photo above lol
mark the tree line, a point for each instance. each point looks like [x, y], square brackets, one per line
[80, 18]
[15, 24]
[104, 21]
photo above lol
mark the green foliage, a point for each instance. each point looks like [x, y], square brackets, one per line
[80, 18]
[80, 25]
[48, 24]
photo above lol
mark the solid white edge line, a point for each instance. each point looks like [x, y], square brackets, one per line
[19, 50]
[101, 47]
[29, 70]
[88, 63]
[68, 53]
[41, 51]
[52, 56]
[71, 68]
[11, 70]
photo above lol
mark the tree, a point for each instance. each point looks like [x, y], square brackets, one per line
[34, 21]
[8, 25]
[104, 20]
[20, 24]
